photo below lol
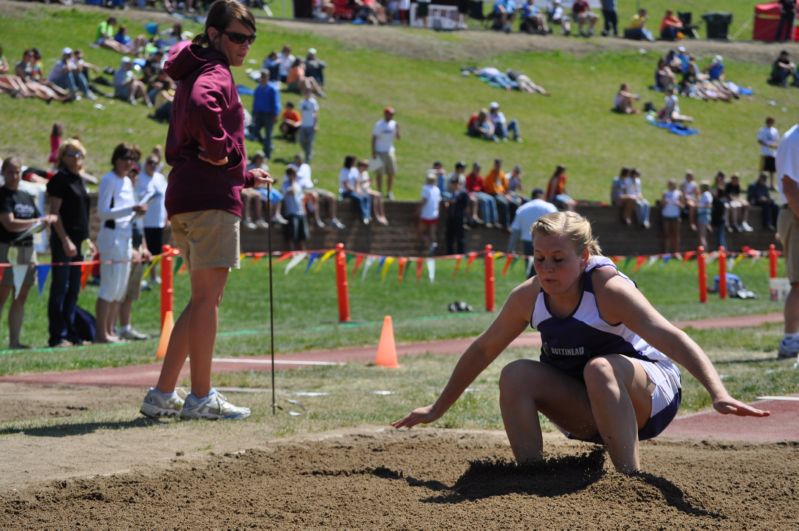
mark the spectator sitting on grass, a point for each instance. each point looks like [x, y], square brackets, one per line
[127, 87]
[480, 126]
[664, 76]
[503, 12]
[285, 61]
[26, 71]
[557, 16]
[671, 27]
[106, 31]
[315, 67]
[290, 123]
[636, 29]
[584, 17]
[11, 83]
[532, 19]
[298, 82]
[624, 102]
[67, 75]
[524, 84]
[502, 128]
[758, 194]
[556, 190]
[783, 70]
[671, 109]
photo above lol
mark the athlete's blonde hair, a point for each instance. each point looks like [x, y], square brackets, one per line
[571, 225]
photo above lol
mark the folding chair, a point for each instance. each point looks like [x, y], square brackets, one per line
[688, 28]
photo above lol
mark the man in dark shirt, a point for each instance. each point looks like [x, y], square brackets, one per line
[315, 67]
[758, 195]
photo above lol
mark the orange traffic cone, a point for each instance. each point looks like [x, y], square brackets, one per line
[387, 349]
[166, 332]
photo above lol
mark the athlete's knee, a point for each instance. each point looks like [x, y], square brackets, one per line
[599, 373]
[518, 377]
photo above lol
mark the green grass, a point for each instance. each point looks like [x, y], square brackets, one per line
[573, 127]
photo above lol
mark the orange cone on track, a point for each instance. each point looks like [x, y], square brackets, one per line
[166, 331]
[387, 349]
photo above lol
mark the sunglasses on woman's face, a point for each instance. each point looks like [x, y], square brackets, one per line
[76, 154]
[240, 38]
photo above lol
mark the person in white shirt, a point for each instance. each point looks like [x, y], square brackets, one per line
[315, 197]
[150, 187]
[384, 132]
[428, 214]
[116, 207]
[348, 178]
[788, 230]
[526, 215]
[690, 194]
[286, 60]
[67, 75]
[365, 187]
[768, 138]
[294, 207]
[631, 190]
[671, 109]
[672, 203]
[309, 123]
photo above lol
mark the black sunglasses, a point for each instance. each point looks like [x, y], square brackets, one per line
[239, 38]
[131, 158]
[76, 154]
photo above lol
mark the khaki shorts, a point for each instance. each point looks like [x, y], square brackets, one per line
[788, 231]
[389, 163]
[134, 281]
[25, 255]
[207, 239]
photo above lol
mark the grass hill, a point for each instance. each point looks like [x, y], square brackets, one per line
[418, 72]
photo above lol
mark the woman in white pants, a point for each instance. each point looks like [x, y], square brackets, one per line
[116, 206]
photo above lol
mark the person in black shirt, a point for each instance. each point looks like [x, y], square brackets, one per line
[18, 216]
[785, 26]
[69, 201]
[758, 194]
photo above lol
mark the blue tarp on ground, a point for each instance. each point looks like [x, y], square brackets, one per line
[677, 129]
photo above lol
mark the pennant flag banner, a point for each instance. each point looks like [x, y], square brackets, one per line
[85, 273]
[615, 259]
[325, 258]
[419, 269]
[284, 256]
[689, 255]
[20, 270]
[627, 260]
[257, 256]
[431, 269]
[458, 259]
[508, 261]
[369, 261]
[401, 273]
[41, 275]
[737, 261]
[530, 263]
[178, 264]
[155, 261]
[311, 260]
[387, 261]
[296, 259]
[358, 262]
[652, 259]
[470, 258]
[639, 262]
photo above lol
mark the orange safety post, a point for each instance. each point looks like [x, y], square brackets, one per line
[489, 278]
[772, 261]
[341, 284]
[722, 273]
[700, 262]
[167, 287]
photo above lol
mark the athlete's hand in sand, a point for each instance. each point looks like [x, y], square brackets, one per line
[729, 406]
[262, 178]
[422, 415]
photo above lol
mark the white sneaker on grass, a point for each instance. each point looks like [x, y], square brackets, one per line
[212, 407]
[157, 404]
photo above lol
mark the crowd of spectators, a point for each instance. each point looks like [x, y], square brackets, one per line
[679, 71]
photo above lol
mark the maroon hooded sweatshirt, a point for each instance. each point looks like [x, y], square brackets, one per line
[207, 118]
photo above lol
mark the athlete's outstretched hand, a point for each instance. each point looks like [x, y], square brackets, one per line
[730, 406]
[422, 415]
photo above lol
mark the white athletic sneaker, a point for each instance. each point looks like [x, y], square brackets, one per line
[788, 349]
[157, 404]
[212, 407]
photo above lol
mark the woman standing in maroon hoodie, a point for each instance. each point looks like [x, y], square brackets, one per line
[205, 147]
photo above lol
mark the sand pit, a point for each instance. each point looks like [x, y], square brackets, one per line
[429, 479]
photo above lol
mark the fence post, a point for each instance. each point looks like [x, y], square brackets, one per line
[722, 273]
[167, 287]
[489, 278]
[772, 261]
[700, 262]
[341, 284]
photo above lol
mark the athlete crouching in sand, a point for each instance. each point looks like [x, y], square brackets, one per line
[606, 372]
